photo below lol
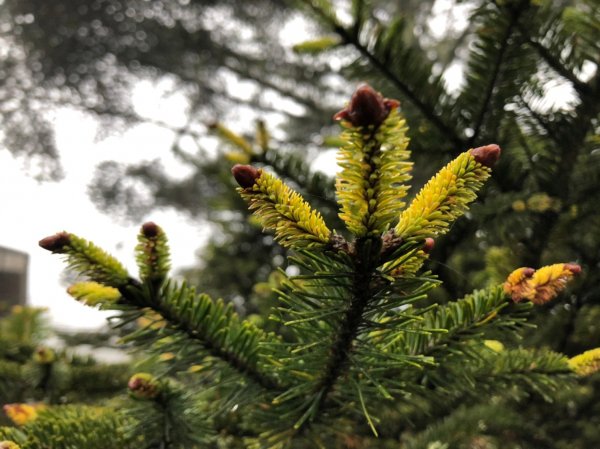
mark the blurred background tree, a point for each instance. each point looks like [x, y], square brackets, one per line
[33, 371]
[523, 74]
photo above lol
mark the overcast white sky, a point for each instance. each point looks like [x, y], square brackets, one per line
[33, 210]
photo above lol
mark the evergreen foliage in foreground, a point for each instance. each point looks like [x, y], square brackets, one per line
[366, 360]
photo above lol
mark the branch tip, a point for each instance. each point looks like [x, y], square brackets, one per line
[367, 108]
[573, 268]
[428, 245]
[150, 229]
[245, 175]
[143, 386]
[487, 155]
[56, 242]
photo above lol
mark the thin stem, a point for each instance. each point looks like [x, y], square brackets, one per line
[366, 260]
[341, 347]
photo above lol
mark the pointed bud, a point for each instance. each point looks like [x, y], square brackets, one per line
[44, 355]
[245, 175]
[143, 386]
[487, 155]
[428, 245]
[573, 268]
[150, 229]
[517, 285]
[56, 242]
[21, 414]
[551, 280]
[587, 363]
[540, 286]
[9, 445]
[367, 107]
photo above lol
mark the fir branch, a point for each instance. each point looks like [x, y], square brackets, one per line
[427, 110]
[462, 319]
[196, 316]
[339, 352]
[554, 61]
[495, 72]
[538, 370]
[279, 208]
[372, 183]
[87, 259]
[446, 196]
[210, 323]
[498, 370]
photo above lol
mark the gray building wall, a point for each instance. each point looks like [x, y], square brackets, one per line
[13, 277]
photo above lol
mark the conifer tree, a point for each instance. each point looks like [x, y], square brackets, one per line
[537, 209]
[513, 53]
[32, 372]
[540, 206]
[367, 359]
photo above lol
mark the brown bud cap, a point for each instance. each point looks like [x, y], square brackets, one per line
[143, 386]
[44, 355]
[56, 242]
[517, 284]
[528, 272]
[573, 268]
[339, 244]
[428, 245]
[150, 229]
[487, 155]
[367, 107]
[245, 175]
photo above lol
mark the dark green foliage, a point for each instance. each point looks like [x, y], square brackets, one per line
[361, 344]
[452, 323]
[540, 203]
[67, 427]
[56, 377]
[175, 419]
[539, 207]
[202, 325]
